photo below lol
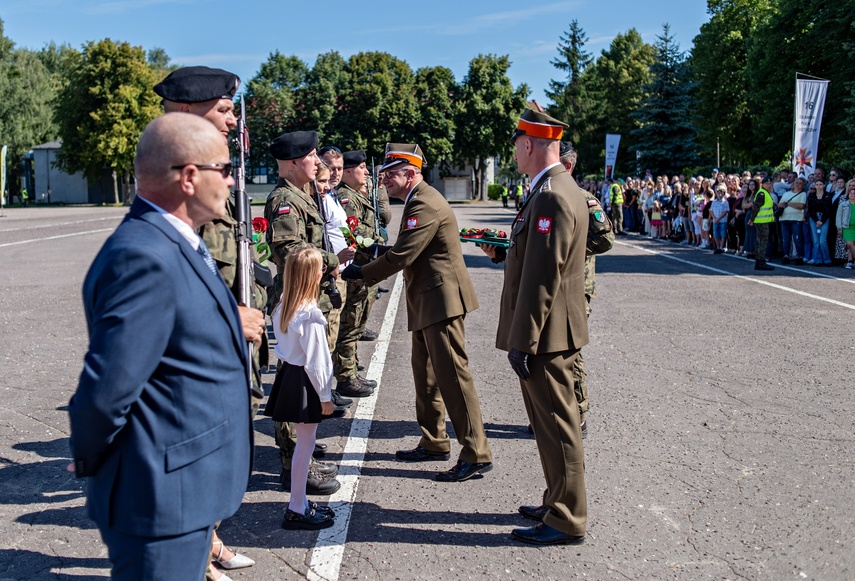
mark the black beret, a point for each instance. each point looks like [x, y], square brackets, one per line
[353, 158]
[294, 145]
[197, 84]
[565, 148]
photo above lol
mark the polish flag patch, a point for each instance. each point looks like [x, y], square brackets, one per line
[544, 225]
[345, 201]
[284, 210]
[412, 223]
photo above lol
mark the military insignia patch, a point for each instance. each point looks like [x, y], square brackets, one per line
[544, 225]
[592, 203]
[412, 223]
[345, 201]
[284, 210]
[599, 217]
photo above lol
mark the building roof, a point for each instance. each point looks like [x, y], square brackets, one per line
[49, 145]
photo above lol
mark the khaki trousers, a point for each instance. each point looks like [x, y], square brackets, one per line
[554, 416]
[444, 384]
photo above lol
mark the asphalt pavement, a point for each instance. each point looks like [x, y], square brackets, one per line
[720, 443]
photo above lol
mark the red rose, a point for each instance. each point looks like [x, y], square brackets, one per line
[352, 222]
[259, 224]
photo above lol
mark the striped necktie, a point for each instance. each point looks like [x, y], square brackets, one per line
[206, 256]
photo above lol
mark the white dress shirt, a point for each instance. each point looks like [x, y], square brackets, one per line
[305, 345]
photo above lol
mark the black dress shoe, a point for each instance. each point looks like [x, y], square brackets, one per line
[533, 512]
[419, 454]
[369, 335]
[320, 451]
[366, 382]
[382, 289]
[464, 471]
[322, 510]
[352, 388]
[544, 534]
[311, 521]
[763, 266]
[323, 468]
[340, 400]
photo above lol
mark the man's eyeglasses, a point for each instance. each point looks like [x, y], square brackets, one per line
[390, 172]
[225, 169]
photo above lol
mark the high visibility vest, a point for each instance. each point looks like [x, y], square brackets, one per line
[766, 214]
[617, 194]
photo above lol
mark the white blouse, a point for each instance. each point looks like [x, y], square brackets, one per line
[305, 345]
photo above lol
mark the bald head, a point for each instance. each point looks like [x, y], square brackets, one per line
[173, 139]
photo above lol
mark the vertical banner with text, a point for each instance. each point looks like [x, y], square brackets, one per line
[810, 102]
[3, 176]
[612, 144]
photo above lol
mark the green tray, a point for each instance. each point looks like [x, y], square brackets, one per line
[489, 241]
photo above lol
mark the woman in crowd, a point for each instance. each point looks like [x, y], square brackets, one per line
[748, 207]
[845, 222]
[836, 246]
[706, 222]
[819, 211]
[719, 212]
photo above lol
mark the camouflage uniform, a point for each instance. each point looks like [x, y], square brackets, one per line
[360, 297]
[219, 237]
[294, 222]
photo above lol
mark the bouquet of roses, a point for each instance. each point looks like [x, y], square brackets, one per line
[356, 239]
[259, 238]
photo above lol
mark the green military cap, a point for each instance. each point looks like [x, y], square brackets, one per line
[197, 84]
[294, 145]
[536, 124]
[401, 154]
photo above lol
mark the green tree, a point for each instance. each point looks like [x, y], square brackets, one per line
[666, 136]
[489, 111]
[379, 103]
[319, 99]
[270, 104]
[616, 83]
[103, 109]
[570, 101]
[26, 92]
[721, 68]
[436, 94]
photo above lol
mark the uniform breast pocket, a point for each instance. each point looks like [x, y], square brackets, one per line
[431, 283]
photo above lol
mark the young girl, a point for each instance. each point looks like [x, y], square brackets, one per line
[302, 390]
[656, 220]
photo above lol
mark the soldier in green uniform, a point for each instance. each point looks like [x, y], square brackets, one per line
[543, 325]
[439, 294]
[352, 192]
[295, 222]
[208, 93]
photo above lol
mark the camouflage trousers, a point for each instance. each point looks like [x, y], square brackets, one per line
[580, 376]
[762, 245]
[354, 317]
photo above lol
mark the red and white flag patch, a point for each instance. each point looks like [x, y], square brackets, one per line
[544, 225]
[284, 210]
[412, 223]
[345, 201]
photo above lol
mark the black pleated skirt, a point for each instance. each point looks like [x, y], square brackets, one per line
[293, 398]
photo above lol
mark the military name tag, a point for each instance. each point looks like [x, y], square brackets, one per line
[544, 225]
[412, 223]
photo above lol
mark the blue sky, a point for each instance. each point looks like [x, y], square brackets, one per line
[432, 33]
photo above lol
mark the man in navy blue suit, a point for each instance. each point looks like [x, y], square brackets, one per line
[153, 427]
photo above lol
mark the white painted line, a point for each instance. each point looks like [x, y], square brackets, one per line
[325, 561]
[56, 237]
[62, 224]
[748, 278]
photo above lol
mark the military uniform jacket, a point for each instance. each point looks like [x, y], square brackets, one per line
[428, 251]
[358, 205]
[543, 300]
[295, 222]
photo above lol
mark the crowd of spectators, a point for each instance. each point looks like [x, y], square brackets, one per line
[813, 221]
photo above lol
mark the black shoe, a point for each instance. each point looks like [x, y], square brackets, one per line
[311, 521]
[323, 468]
[763, 266]
[369, 335]
[340, 400]
[464, 471]
[320, 451]
[718, 251]
[533, 512]
[797, 261]
[360, 367]
[383, 289]
[314, 485]
[544, 534]
[785, 260]
[366, 382]
[322, 510]
[352, 388]
[419, 454]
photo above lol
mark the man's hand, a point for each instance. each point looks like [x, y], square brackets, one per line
[327, 408]
[252, 321]
[489, 250]
[352, 272]
[519, 362]
[346, 255]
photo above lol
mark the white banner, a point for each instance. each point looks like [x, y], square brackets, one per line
[810, 102]
[612, 144]
[3, 175]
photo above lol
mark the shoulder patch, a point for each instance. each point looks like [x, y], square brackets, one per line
[544, 225]
[592, 203]
[412, 223]
[286, 209]
[345, 201]
[598, 216]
